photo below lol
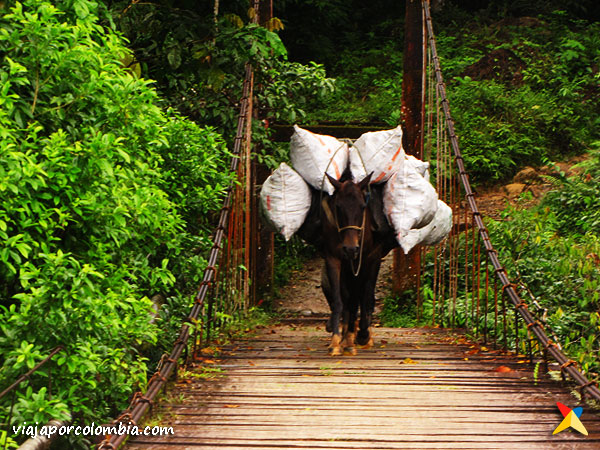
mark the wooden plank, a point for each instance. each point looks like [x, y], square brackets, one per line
[417, 388]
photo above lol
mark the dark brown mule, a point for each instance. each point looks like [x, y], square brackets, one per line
[350, 231]
[353, 246]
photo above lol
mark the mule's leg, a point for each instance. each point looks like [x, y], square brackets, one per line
[349, 342]
[333, 267]
[350, 302]
[364, 337]
[349, 332]
[367, 304]
[327, 291]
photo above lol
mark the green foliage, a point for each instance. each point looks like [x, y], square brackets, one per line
[368, 87]
[540, 102]
[502, 129]
[400, 311]
[199, 65]
[577, 203]
[89, 228]
[561, 271]
[291, 256]
[290, 84]
[545, 106]
[194, 172]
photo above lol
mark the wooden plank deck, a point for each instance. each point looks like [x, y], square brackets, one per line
[416, 389]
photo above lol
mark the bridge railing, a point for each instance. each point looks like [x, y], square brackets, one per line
[470, 287]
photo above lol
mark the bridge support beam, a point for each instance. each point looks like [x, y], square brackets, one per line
[262, 238]
[406, 271]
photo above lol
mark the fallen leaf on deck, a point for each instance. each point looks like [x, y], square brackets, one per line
[503, 369]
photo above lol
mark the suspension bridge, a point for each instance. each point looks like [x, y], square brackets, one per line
[416, 388]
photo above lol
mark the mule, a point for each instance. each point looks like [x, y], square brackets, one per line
[353, 236]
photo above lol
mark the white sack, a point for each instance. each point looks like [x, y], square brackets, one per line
[431, 234]
[285, 199]
[379, 152]
[312, 154]
[409, 201]
[421, 167]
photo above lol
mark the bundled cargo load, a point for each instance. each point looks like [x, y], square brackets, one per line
[421, 167]
[431, 234]
[410, 210]
[409, 201]
[285, 199]
[314, 154]
[377, 152]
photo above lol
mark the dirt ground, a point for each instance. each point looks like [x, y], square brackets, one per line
[303, 295]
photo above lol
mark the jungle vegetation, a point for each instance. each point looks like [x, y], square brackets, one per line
[116, 118]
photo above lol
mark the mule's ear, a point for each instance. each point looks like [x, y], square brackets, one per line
[365, 182]
[336, 184]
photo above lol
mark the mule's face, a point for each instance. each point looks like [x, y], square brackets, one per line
[350, 204]
[349, 208]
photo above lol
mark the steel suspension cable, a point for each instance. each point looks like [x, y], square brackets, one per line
[567, 366]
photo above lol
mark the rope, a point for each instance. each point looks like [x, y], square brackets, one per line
[362, 241]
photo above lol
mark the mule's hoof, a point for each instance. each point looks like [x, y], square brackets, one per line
[351, 351]
[363, 338]
[368, 345]
[335, 351]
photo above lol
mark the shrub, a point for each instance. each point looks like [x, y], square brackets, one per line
[576, 203]
[89, 227]
[561, 271]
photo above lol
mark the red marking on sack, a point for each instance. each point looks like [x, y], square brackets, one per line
[397, 153]
[379, 178]
[337, 170]
[269, 202]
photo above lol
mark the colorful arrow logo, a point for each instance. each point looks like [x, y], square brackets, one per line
[571, 419]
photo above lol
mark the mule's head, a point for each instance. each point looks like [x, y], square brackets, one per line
[348, 205]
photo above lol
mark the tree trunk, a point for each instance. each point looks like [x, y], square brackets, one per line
[407, 267]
